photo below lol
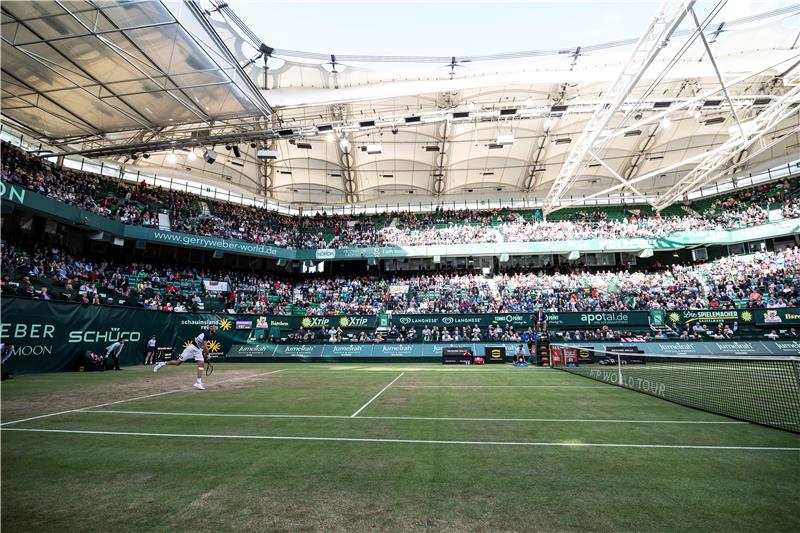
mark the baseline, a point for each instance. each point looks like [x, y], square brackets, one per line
[128, 400]
[457, 419]
[402, 441]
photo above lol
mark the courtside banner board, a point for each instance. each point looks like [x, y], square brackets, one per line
[50, 336]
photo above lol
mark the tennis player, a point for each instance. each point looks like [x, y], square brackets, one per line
[198, 351]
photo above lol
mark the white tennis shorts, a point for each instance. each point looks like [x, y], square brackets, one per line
[192, 352]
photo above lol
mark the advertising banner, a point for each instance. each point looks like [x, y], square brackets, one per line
[777, 317]
[52, 336]
[598, 319]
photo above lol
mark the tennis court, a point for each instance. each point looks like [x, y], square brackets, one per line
[412, 447]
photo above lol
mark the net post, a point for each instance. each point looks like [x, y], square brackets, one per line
[619, 369]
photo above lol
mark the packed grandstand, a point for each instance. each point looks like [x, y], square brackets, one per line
[592, 208]
[766, 279]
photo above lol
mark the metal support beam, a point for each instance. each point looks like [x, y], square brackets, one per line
[716, 70]
[705, 171]
[250, 90]
[655, 38]
[619, 178]
[440, 159]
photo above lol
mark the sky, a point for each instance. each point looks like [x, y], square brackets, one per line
[455, 28]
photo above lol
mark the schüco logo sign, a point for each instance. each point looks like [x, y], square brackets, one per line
[111, 335]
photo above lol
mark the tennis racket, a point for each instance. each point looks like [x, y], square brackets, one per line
[209, 367]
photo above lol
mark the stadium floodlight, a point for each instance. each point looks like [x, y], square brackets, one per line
[171, 158]
[344, 144]
[267, 154]
[665, 122]
[505, 139]
[210, 156]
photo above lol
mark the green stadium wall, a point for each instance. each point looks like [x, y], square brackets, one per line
[53, 336]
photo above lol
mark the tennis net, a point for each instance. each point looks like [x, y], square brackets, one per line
[764, 390]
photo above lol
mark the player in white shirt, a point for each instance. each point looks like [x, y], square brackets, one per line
[150, 354]
[198, 351]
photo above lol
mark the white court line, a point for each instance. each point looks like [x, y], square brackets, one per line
[400, 441]
[379, 393]
[459, 419]
[599, 387]
[128, 400]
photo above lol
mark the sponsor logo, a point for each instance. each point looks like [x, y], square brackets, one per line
[214, 346]
[354, 322]
[325, 254]
[12, 193]
[218, 244]
[315, 321]
[405, 320]
[244, 324]
[791, 346]
[202, 322]
[736, 347]
[447, 320]
[711, 316]
[26, 331]
[252, 348]
[112, 335]
[606, 318]
[302, 348]
[400, 348]
[28, 350]
[349, 349]
[511, 319]
[276, 323]
[678, 348]
[225, 324]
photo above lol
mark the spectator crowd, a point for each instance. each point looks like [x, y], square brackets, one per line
[140, 204]
[762, 280]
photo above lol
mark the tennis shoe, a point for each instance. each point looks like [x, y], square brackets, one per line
[199, 386]
[159, 365]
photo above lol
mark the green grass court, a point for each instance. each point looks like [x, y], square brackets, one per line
[380, 447]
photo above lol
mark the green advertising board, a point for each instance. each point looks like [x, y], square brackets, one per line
[598, 319]
[51, 336]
